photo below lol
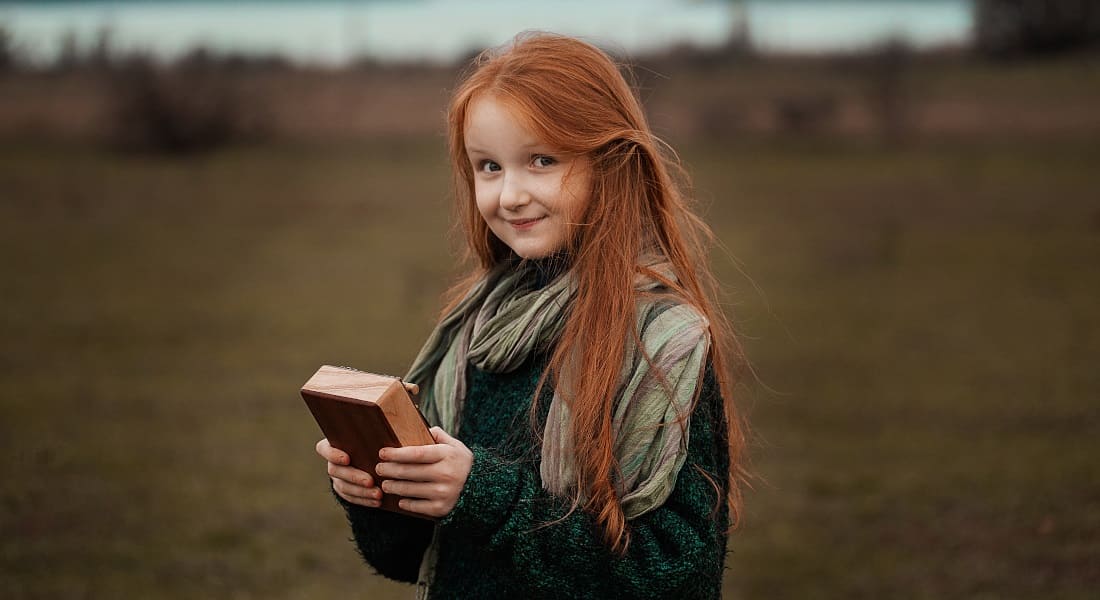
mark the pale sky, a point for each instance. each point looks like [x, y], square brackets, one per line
[332, 31]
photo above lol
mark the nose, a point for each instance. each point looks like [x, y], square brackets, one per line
[513, 192]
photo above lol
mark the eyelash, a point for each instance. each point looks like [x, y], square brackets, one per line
[481, 166]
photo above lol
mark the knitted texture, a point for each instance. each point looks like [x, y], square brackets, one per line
[511, 313]
[508, 537]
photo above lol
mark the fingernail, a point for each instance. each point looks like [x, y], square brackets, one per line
[383, 454]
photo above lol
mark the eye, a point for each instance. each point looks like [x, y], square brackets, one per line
[541, 160]
[488, 166]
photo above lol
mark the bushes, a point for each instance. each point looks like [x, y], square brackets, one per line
[194, 105]
[1006, 28]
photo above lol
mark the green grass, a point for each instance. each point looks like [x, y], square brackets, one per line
[923, 321]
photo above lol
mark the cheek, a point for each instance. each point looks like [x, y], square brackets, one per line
[486, 205]
[574, 197]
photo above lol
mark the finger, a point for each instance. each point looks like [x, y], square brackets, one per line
[351, 475]
[429, 453]
[356, 491]
[414, 489]
[441, 437]
[368, 502]
[430, 508]
[406, 471]
[331, 454]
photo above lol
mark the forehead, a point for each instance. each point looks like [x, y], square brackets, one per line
[492, 125]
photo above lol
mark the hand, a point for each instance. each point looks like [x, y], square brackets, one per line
[353, 485]
[430, 477]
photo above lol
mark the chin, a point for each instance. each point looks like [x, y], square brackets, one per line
[533, 252]
[531, 247]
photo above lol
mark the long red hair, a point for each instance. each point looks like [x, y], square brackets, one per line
[573, 97]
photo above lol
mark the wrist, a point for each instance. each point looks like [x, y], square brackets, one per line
[488, 494]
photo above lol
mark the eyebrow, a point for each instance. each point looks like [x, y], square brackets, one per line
[532, 146]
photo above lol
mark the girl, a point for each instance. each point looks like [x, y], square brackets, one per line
[587, 443]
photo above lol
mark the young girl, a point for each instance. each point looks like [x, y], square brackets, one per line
[587, 443]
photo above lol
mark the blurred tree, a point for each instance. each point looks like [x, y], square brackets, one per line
[8, 51]
[100, 54]
[193, 105]
[740, 38]
[888, 96]
[1022, 27]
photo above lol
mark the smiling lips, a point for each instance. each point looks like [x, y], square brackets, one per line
[523, 224]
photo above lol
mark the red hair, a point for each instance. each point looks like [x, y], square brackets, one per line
[573, 97]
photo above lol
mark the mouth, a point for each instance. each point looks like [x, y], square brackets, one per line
[524, 223]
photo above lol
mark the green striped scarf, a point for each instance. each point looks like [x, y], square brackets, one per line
[506, 317]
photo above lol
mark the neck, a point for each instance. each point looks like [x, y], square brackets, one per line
[541, 271]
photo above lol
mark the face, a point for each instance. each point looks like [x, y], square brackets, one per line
[526, 191]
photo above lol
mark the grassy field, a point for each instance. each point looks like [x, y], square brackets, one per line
[923, 321]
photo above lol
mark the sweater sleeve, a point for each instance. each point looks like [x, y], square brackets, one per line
[393, 544]
[676, 550]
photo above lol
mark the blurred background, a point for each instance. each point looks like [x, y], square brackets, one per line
[201, 202]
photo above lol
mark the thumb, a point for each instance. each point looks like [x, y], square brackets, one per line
[442, 437]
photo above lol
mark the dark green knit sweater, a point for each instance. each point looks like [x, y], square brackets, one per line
[492, 545]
